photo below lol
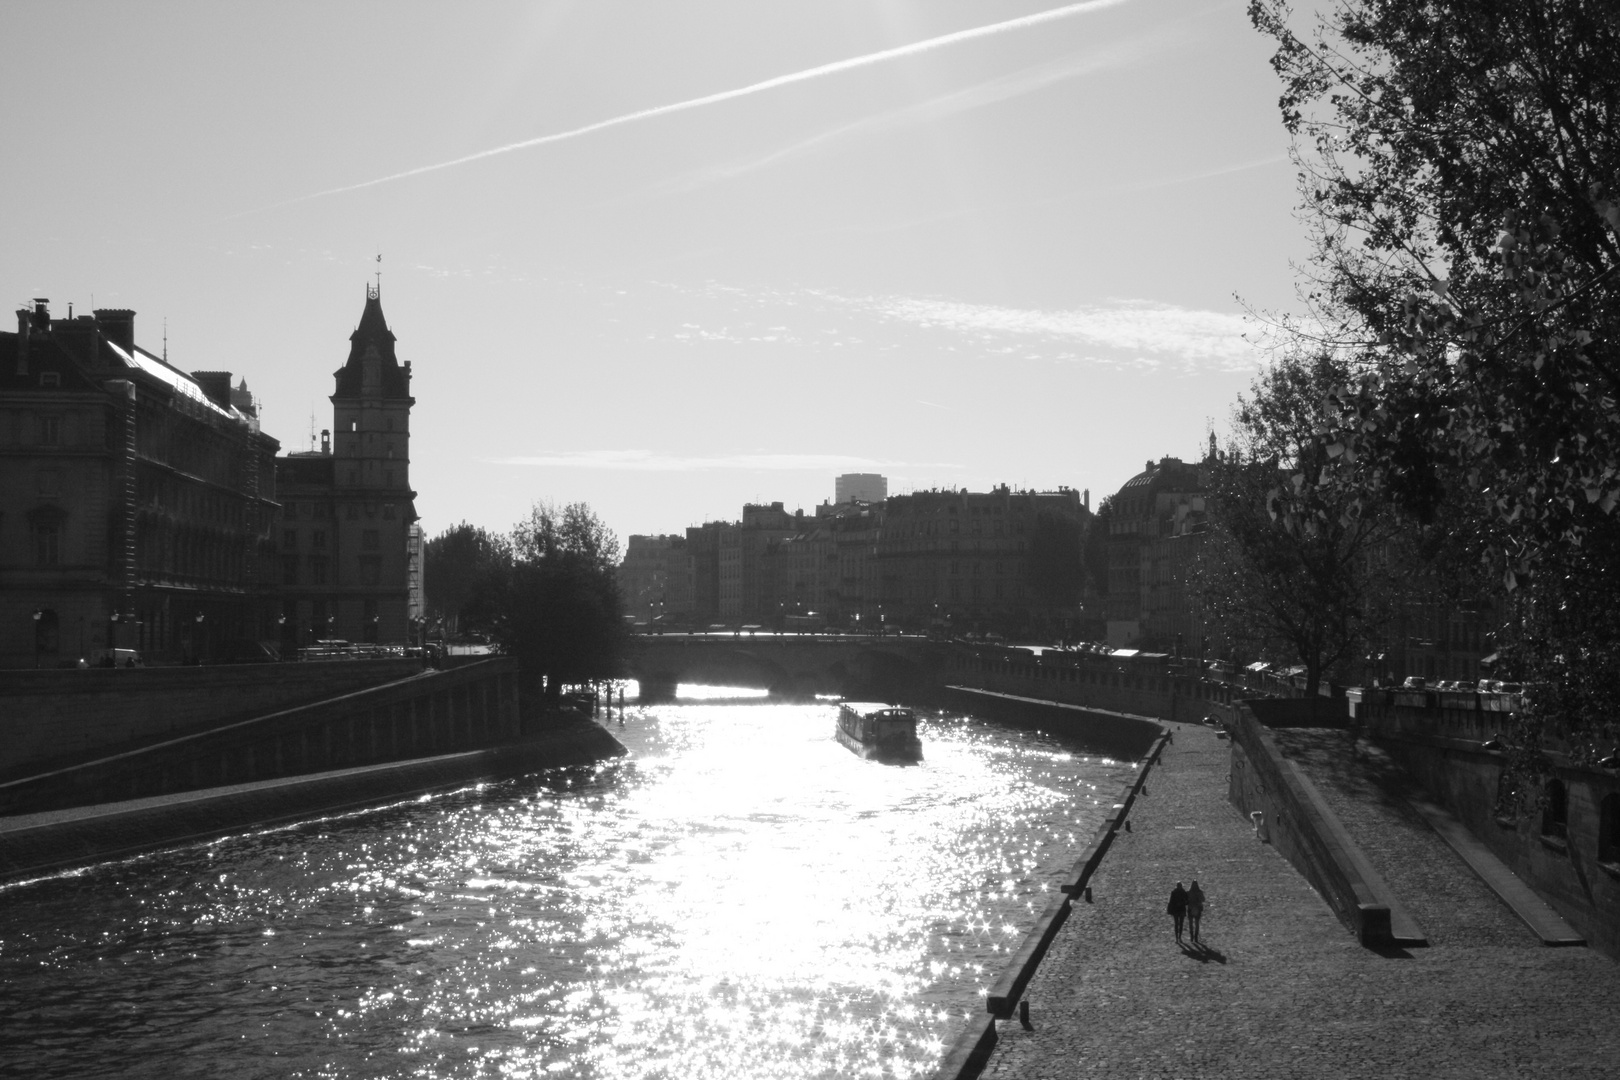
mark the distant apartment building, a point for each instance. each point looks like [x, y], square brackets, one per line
[1000, 558]
[860, 487]
[1155, 524]
[655, 579]
[136, 500]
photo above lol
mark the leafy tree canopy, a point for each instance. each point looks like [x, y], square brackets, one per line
[1459, 162]
[1316, 585]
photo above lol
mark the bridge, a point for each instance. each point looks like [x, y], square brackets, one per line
[790, 665]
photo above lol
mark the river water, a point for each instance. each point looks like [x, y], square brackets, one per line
[739, 897]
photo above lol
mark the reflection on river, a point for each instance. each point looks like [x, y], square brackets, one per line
[741, 897]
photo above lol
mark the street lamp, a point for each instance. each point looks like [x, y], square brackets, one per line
[197, 644]
[39, 618]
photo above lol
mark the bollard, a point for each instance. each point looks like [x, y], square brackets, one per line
[1023, 1016]
[1088, 894]
[1127, 824]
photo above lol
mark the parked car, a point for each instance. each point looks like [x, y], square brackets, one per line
[1414, 682]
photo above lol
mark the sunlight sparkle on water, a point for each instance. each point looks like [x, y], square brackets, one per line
[742, 897]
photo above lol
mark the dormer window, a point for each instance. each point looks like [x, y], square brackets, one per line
[50, 378]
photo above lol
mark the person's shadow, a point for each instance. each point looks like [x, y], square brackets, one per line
[1202, 953]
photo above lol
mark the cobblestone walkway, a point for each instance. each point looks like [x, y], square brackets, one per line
[1283, 990]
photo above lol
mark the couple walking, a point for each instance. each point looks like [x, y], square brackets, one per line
[1188, 905]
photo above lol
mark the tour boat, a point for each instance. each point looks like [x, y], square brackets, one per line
[883, 732]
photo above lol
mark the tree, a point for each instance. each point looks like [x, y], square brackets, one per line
[558, 609]
[459, 565]
[1458, 164]
[1317, 582]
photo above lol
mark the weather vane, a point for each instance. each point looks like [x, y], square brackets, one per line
[377, 292]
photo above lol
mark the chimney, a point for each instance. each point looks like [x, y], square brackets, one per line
[23, 324]
[326, 441]
[217, 385]
[118, 326]
[82, 338]
[42, 313]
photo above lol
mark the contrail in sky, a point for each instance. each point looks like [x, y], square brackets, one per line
[834, 68]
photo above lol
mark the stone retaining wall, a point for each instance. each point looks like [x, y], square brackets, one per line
[50, 718]
[1263, 780]
[1443, 748]
[428, 714]
[41, 843]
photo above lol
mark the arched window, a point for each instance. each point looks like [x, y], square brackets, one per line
[1609, 829]
[1555, 814]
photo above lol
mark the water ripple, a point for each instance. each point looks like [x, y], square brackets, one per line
[741, 897]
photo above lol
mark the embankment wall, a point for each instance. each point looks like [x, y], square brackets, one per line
[1097, 682]
[50, 718]
[1264, 781]
[1574, 865]
[1112, 734]
[428, 714]
[41, 843]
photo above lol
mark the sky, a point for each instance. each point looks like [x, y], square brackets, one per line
[671, 258]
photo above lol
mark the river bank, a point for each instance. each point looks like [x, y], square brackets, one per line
[1280, 988]
[33, 844]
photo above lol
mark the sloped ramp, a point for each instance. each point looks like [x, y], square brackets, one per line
[1542, 920]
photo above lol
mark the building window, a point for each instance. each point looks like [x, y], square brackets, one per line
[50, 378]
[48, 482]
[354, 512]
[289, 511]
[50, 430]
[390, 423]
[289, 539]
[47, 537]
[317, 570]
[317, 539]
[388, 511]
[368, 539]
[1555, 813]
[289, 569]
[370, 569]
[323, 510]
[1609, 829]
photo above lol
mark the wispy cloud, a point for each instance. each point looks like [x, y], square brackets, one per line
[1135, 332]
[652, 461]
[915, 48]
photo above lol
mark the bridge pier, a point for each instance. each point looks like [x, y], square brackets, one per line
[657, 689]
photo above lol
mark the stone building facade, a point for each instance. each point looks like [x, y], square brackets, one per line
[1155, 524]
[137, 501]
[344, 533]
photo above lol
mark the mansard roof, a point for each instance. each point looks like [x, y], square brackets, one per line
[372, 333]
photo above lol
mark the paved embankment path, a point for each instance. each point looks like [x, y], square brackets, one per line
[1283, 990]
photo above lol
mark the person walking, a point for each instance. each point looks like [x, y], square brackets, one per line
[1195, 908]
[1178, 907]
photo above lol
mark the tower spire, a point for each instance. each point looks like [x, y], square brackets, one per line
[376, 293]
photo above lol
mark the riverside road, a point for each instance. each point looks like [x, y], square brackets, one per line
[1283, 990]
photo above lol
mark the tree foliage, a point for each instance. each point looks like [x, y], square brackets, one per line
[461, 565]
[546, 592]
[1316, 584]
[559, 610]
[1459, 163]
